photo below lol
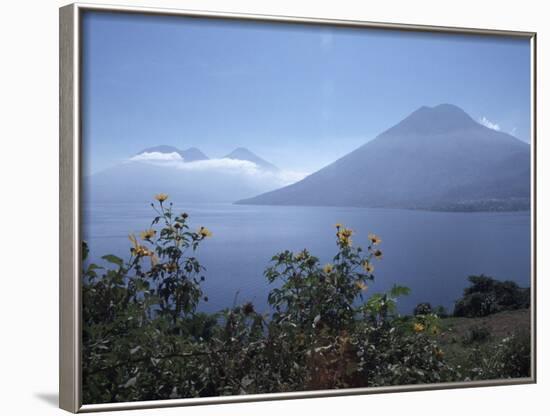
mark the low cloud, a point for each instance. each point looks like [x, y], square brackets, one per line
[249, 171]
[288, 176]
[225, 165]
[489, 124]
[157, 156]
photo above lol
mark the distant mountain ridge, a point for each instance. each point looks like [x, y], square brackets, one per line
[437, 158]
[188, 155]
[193, 154]
[194, 178]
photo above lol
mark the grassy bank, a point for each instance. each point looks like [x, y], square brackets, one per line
[475, 344]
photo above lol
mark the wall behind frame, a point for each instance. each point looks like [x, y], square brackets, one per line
[29, 172]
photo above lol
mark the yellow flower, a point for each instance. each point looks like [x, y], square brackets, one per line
[338, 225]
[302, 255]
[346, 232]
[161, 197]
[361, 285]
[344, 236]
[328, 268]
[346, 241]
[205, 232]
[378, 254]
[141, 251]
[137, 249]
[375, 240]
[418, 327]
[369, 268]
[147, 234]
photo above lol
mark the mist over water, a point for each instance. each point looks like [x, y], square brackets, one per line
[430, 252]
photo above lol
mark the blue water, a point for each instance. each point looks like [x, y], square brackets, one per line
[430, 252]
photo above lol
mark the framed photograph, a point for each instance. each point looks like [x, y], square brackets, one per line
[259, 207]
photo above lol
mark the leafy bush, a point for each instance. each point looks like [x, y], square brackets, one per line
[515, 356]
[422, 309]
[441, 311]
[486, 296]
[509, 358]
[143, 338]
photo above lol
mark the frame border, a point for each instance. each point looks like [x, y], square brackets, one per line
[70, 376]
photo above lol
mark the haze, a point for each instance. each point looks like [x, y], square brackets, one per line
[299, 96]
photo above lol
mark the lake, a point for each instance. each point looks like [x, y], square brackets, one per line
[433, 253]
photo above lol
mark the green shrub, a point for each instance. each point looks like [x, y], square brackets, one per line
[509, 358]
[424, 308]
[441, 311]
[515, 356]
[486, 296]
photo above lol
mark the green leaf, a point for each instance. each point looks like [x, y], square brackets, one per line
[94, 266]
[113, 259]
[397, 290]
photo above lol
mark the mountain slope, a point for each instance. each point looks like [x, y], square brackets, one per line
[436, 158]
[192, 155]
[242, 153]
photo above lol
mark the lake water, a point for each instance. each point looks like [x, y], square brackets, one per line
[430, 252]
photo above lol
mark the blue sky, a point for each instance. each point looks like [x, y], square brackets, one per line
[298, 96]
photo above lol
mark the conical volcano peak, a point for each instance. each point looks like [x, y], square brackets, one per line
[451, 111]
[439, 119]
[437, 158]
[242, 153]
[448, 108]
[192, 154]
